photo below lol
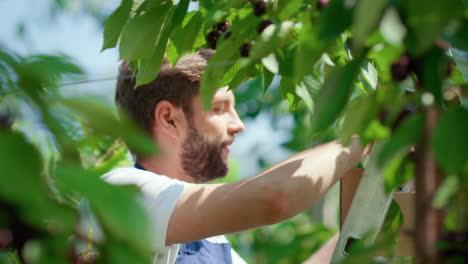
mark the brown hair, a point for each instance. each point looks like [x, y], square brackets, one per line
[176, 84]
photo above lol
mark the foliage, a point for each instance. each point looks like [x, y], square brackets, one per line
[347, 67]
[38, 189]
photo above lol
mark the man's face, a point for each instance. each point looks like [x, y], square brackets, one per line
[205, 149]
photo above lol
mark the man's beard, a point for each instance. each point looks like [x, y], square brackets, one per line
[201, 159]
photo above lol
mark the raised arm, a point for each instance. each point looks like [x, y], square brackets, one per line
[275, 195]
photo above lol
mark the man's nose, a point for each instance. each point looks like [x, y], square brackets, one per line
[235, 124]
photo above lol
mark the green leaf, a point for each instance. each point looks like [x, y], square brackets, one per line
[117, 252]
[434, 67]
[359, 113]
[185, 34]
[450, 140]
[426, 19]
[457, 76]
[271, 38]
[374, 131]
[222, 62]
[118, 208]
[365, 20]
[393, 222]
[271, 63]
[369, 73]
[179, 14]
[334, 95]
[407, 134]
[286, 8]
[171, 53]
[288, 91]
[267, 79]
[458, 37]
[148, 68]
[314, 39]
[115, 23]
[308, 90]
[142, 33]
[446, 191]
[101, 118]
[383, 58]
[24, 187]
[392, 28]
[398, 172]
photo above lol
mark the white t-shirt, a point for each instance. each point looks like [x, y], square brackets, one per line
[160, 196]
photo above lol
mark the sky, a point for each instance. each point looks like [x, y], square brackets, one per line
[78, 34]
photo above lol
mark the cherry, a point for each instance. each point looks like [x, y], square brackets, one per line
[448, 68]
[260, 7]
[245, 50]
[5, 121]
[401, 68]
[264, 24]
[211, 39]
[223, 26]
[322, 3]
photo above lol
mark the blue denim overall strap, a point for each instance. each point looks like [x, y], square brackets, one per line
[202, 251]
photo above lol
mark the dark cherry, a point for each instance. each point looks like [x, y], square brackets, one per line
[245, 50]
[5, 121]
[401, 68]
[211, 39]
[223, 26]
[264, 24]
[260, 7]
[448, 68]
[322, 3]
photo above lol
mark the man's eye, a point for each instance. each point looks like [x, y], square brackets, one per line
[218, 109]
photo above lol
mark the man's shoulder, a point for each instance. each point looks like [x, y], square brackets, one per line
[146, 180]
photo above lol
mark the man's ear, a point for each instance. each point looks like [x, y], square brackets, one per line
[167, 118]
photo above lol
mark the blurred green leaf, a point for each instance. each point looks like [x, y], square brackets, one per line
[149, 67]
[271, 63]
[434, 64]
[219, 70]
[383, 57]
[426, 19]
[115, 23]
[446, 191]
[365, 20]
[393, 30]
[44, 70]
[393, 223]
[450, 139]
[398, 171]
[118, 208]
[369, 73]
[358, 114]
[185, 34]
[24, 187]
[179, 14]
[271, 38]
[103, 120]
[143, 32]
[288, 91]
[407, 134]
[457, 76]
[458, 37]
[286, 8]
[308, 90]
[334, 95]
[116, 252]
[267, 79]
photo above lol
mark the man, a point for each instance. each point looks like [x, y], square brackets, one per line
[190, 217]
